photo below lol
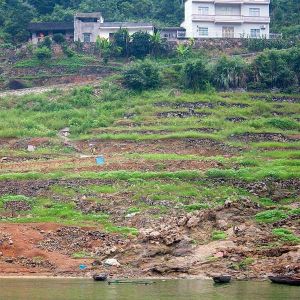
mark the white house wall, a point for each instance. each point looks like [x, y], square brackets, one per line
[215, 28]
[104, 32]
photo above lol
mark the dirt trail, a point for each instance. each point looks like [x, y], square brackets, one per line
[43, 89]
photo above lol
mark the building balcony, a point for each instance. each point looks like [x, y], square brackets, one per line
[230, 19]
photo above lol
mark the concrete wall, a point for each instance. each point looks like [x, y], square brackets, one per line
[81, 27]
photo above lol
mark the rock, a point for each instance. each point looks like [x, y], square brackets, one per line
[222, 224]
[1, 253]
[227, 204]
[31, 148]
[219, 254]
[9, 260]
[131, 215]
[182, 221]
[111, 262]
[3, 159]
[193, 222]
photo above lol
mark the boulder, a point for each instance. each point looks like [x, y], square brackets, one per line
[193, 222]
[111, 262]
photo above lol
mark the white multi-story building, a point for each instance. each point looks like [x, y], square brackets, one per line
[227, 18]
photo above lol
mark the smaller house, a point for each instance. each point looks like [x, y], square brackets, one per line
[40, 30]
[86, 26]
[172, 33]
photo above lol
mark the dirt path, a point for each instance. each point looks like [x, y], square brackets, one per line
[43, 89]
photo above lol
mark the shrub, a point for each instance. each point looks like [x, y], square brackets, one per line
[67, 51]
[140, 45]
[229, 73]
[270, 216]
[142, 76]
[286, 235]
[218, 235]
[43, 53]
[58, 38]
[46, 43]
[271, 70]
[284, 124]
[196, 75]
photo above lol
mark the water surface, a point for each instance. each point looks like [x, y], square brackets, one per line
[75, 289]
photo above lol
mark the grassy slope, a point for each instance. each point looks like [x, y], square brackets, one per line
[98, 114]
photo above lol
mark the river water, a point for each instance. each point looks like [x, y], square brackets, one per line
[84, 289]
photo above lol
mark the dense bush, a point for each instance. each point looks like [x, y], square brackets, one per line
[43, 53]
[196, 75]
[140, 45]
[271, 69]
[142, 76]
[229, 73]
[46, 42]
[262, 44]
[58, 38]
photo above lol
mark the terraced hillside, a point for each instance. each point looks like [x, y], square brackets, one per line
[192, 185]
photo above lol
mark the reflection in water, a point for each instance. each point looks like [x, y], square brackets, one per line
[79, 289]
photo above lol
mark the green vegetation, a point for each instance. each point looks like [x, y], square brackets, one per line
[141, 76]
[219, 235]
[286, 236]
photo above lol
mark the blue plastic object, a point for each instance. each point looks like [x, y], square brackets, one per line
[82, 267]
[100, 160]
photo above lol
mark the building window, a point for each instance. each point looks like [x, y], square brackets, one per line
[255, 33]
[203, 10]
[254, 12]
[228, 32]
[203, 31]
[86, 37]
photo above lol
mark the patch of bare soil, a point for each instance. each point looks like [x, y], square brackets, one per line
[112, 164]
[262, 137]
[195, 105]
[204, 147]
[182, 114]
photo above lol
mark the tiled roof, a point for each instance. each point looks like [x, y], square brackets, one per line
[51, 26]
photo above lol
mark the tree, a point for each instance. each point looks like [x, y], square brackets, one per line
[58, 38]
[16, 16]
[156, 43]
[121, 42]
[104, 46]
[141, 76]
[196, 75]
[140, 45]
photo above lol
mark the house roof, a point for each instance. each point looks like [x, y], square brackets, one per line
[172, 28]
[125, 24]
[51, 26]
[94, 15]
